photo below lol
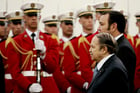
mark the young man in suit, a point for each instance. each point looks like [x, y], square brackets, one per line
[113, 22]
[111, 74]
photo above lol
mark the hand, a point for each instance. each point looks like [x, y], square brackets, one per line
[39, 45]
[35, 87]
[69, 90]
[85, 85]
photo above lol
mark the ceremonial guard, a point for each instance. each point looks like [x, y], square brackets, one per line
[66, 24]
[15, 20]
[51, 24]
[33, 55]
[71, 63]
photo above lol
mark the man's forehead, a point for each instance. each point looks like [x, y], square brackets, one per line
[104, 17]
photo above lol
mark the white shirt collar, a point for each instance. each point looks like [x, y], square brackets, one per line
[29, 33]
[84, 34]
[65, 39]
[100, 63]
[117, 37]
[139, 35]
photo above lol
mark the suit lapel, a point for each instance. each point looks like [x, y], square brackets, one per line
[101, 71]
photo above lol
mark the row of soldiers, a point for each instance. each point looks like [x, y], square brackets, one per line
[66, 64]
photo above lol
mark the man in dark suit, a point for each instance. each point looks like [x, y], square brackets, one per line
[113, 22]
[111, 74]
[2, 83]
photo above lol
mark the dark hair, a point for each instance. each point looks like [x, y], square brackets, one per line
[106, 39]
[117, 17]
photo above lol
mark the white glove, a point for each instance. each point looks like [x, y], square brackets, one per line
[35, 87]
[85, 85]
[39, 45]
[69, 90]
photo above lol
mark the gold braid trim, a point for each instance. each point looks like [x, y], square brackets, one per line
[8, 40]
[81, 40]
[72, 50]
[53, 36]
[20, 50]
[137, 42]
[130, 37]
[61, 61]
[65, 45]
[3, 55]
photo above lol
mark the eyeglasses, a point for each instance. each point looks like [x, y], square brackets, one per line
[51, 25]
[2, 23]
[16, 22]
[68, 22]
[31, 14]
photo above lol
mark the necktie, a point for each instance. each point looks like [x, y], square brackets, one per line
[95, 72]
[33, 35]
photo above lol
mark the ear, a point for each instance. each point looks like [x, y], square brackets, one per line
[39, 17]
[80, 21]
[24, 18]
[113, 27]
[104, 50]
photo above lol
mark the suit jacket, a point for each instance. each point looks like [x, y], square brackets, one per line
[111, 78]
[2, 83]
[127, 55]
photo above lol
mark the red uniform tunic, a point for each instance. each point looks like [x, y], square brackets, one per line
[130, 39]
[22, 61]
[86, 64]
[137, 71]
[60, 79]
[9, 85]
[71, 65]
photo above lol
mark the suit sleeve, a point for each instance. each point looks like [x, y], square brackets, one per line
[2, 83]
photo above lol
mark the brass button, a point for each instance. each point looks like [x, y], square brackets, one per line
[34, 55]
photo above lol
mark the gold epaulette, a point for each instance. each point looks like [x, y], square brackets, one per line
[81, 40]
[65, 45]
[137, 42]
[20, 50]
[130, 37]
[8, 40]
[71, 49]
[53, 36]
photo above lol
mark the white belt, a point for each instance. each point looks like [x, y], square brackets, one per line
[33, 73]
[78, 72]
[8, 76]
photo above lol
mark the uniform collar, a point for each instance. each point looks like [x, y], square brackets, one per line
[84, 34]
[30, 32]
[65, 39]
[139, 35]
